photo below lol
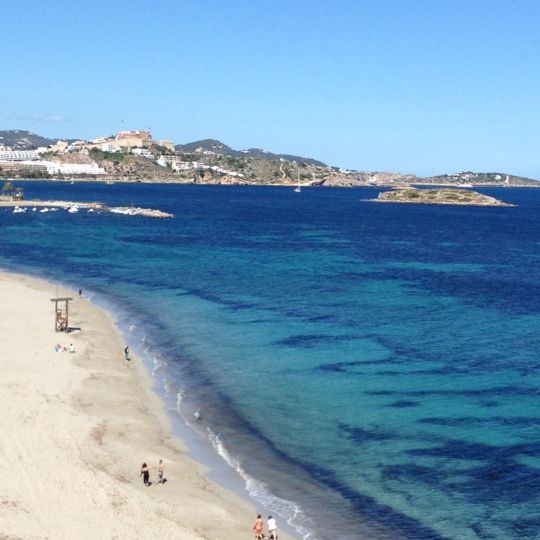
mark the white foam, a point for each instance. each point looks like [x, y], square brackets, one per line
[258, 490]
[179, 397]
[287, 510]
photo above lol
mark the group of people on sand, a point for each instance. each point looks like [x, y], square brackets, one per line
[61, 348]
[145, 473]
[258, 527]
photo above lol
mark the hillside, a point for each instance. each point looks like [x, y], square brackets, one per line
[214, 146]
[23, 140]
[480, 178]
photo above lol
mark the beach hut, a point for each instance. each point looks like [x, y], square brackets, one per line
[61, 314]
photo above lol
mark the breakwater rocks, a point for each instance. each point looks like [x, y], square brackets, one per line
[74, 207]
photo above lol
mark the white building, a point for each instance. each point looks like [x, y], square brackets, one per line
[59, 146]
[109, 147]
[24, 166]
[52, 167]
[90, 169]
[144, 152]
[177, 164]
[18, 155]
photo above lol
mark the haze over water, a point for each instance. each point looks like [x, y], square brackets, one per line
[376, 365]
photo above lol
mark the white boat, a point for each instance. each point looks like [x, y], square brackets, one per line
[19, 210]
[43, 210]
[73, 209]
[298, 188]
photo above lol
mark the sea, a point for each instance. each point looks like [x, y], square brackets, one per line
[357, 369]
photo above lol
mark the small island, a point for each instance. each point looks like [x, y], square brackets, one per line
[439, 196]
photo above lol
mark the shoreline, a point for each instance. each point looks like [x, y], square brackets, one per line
[78, 426]
[314, 184]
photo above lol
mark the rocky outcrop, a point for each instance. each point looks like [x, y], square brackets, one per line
[439, 196]
[74, 207]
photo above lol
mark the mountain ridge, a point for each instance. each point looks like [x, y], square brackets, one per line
[217, 147]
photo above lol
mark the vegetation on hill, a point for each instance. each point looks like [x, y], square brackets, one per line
[99, 155]
[217, 147]
[439, 196]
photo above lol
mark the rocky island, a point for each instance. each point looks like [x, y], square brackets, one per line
[439, 196]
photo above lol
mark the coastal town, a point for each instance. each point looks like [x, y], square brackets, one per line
[135, 156]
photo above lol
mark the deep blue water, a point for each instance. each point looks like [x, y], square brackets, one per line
[370, 368]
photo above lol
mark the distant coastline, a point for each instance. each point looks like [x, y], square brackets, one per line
[230, 182]
[135, 156]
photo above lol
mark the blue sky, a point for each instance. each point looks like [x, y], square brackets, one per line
[424, 87]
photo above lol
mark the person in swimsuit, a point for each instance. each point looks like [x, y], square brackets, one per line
[258, 528]
[145, 474]
[161, 470]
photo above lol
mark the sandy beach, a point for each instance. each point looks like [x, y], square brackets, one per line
[76, 428]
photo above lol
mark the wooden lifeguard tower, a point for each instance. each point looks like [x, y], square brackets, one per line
[61, 314]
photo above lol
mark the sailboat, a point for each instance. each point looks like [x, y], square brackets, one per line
[298, 189]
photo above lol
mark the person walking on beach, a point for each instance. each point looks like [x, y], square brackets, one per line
[145, 474]
[161, 470]
[258, 528]
[272, 528]
[126, 354]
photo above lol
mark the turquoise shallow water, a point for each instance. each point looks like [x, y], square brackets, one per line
[367, 368]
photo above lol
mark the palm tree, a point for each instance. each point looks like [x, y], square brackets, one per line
[11, 191]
